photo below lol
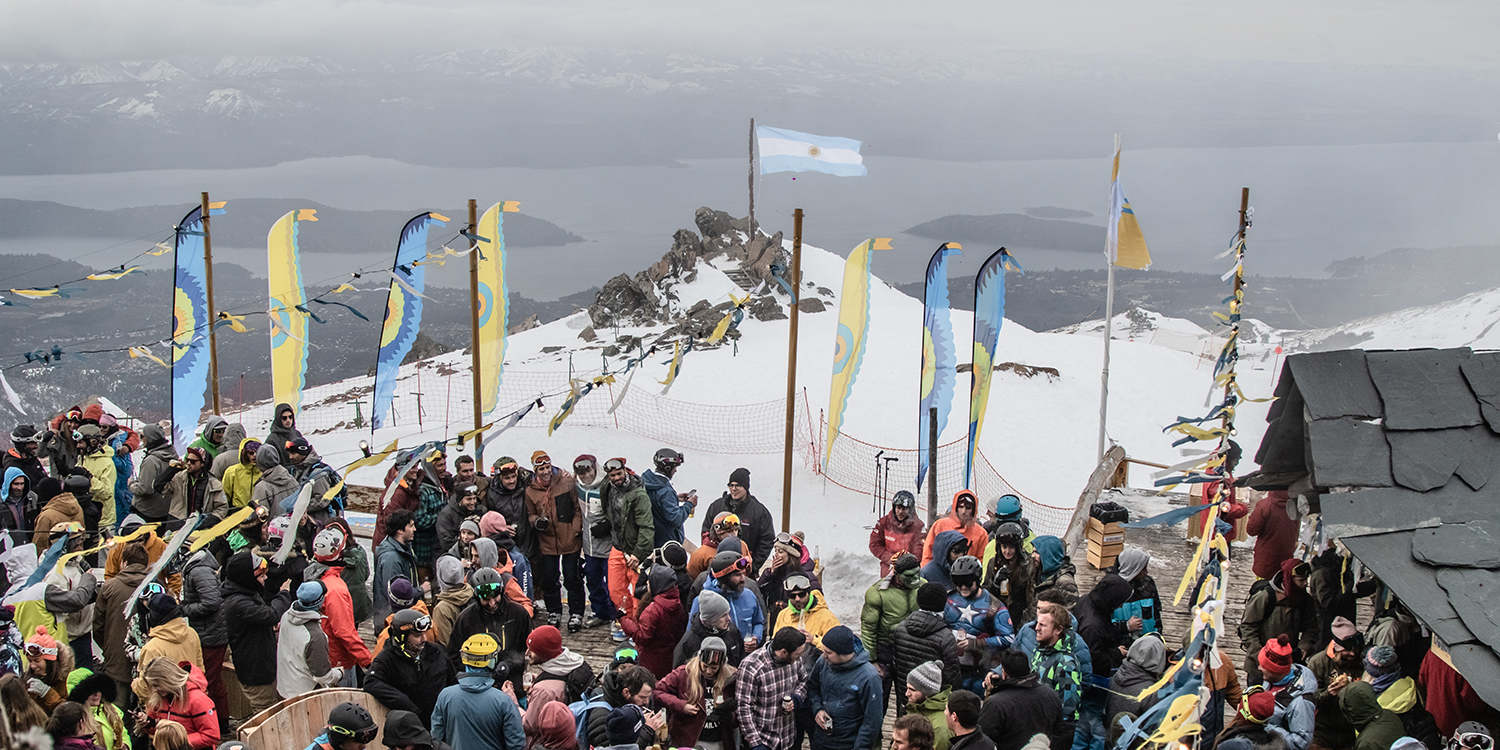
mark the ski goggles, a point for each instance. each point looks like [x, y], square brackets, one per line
[260, 566]
[34, 649]
[797, 585]
[420, 625]
[614, 464]
[364, 736]
[1467, 740]
[627, 656]
[490, 590]
[711, 656]
[507, 470]
[583, 466]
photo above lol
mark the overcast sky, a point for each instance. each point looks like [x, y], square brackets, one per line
[1447, 33]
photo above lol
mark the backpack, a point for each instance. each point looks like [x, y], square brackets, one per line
[581, 711]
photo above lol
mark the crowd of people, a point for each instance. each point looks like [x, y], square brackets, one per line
[976, 629]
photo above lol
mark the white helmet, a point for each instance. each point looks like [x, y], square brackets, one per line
[328, 545]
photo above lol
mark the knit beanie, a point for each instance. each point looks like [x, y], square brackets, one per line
[309, 596]
[624, 724]
[713, 643]
[731, 543]
[1381, 660]
[793, 547]
[1345, 635]
[162, 608]
[545, 642]
[673, 554]
[839, 640]
[1258, 706]
[711, 607]
[401, 593]
[493, 524]
[470, 525]
[927, 678]
[47, 642]
[450, 573]
[1276, 658]
[932, 597]
[741, 477]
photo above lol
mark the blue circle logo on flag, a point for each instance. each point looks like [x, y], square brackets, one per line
[814, 151]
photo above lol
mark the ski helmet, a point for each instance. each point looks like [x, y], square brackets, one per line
[904, 499]
[352, 721]
[24, 434]
[328, 545]
[77, 485]
[965, 571]
[406, 622]
[480, 651]
[487, 583]
[1010, 533]
[667, 460]
[1008, 505]
[278, 527]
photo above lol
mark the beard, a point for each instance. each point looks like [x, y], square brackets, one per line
[732, 586]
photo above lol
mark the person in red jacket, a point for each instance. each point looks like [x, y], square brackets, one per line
[897, 531]
[345, 647]
[405, 497]
[1447, 695]
[659, 622]
[1275, 534]
[178, 694]
[960, 518]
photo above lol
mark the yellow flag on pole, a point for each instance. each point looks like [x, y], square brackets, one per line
[1124, 243]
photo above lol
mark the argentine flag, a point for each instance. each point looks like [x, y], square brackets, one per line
[791, 151]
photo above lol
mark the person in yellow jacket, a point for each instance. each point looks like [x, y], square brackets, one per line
[239, 479]
[96, 456]
[805, 610]
[171, 637]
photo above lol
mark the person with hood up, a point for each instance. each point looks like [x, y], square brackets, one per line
[283, 429]
[669, 508]
[454, 593]
[98, 459]
[24, 442]
[252, 614]
[947, 547]
[276, 483]
[1335, 667]
[1279, 607]
[1375, 727]
[553, 511]
[63, 508]
[1294, 689]
[887, 602]
[925, 636]
[194, 490]
[960, 518]
[981, 625]
[240, 477]
[345, 647]
[632, 532]
[555, 728]
[927, 697]
[699, 698]
[474, 714]
[110, 625]
[18, 496]
[789, 557]
[1107, 645]
[596, 539]
[1275, 534]
[506, 495]
[211, 439]
[713, 620]
[487, 555]
[756, 527]
[170, 637]
[1018, 706]
[404, 731]
[152, 486]
[202, 602]
[659, 622]
[897, 531]
[493, 614]
[1143, 666]
[727, 578]
[843, 692]
[555, 662]
[302, 663]
[1144, 604]
[1399, 694]
[98, 693]
[393, 557]
[175, 692]
[231, 451]
[1054, 569]
[411, 671]
[805, 610]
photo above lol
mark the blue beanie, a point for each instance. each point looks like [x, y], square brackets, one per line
[309, 596]
[839, 640]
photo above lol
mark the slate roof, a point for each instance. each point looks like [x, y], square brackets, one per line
[1400, 451]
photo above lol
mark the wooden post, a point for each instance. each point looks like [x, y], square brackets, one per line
[1239, 286]
[752, 181]
[474, 328]
[213, 316]
[932, 440]
[791, 373]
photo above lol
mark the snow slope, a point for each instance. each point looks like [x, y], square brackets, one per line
[1467, 321]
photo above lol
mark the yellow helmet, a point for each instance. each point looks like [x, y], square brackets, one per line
[480, 651]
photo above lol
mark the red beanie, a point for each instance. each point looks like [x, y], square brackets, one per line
[1276, 658]
[545, 642]
[1259, 706]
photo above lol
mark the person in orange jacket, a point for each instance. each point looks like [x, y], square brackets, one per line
[961, 518]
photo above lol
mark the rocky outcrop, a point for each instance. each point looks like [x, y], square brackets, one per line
[525, 325]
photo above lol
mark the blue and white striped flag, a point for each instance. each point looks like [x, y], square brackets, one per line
[791, 151]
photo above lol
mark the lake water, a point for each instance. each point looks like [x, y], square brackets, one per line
[1313, 204]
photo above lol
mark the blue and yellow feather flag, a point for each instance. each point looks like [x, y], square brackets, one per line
[190, 326]
[284, 284]
[939, 356]
[989, 315]
[1123, 242]
[853, 330]
[403, 312]
[494, 307]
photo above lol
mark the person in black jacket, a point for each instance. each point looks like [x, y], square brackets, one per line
[491, 612]
[1018, 706]
[757, 529]
[506, 495]
[410, 671]
[925, 636]
[251, 617]
[1107, 641]
[962, 713]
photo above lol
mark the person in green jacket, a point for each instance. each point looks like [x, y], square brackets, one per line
[98, 694]
[240, 478]
[887, 602]
[927, 696]
[1375, 727]
[211, 440]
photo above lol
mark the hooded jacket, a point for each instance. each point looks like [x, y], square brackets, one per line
[475, 715]
[1095, 625]
[1274, 531]
[229, 450]
[631, 520]
[173, 640]
[195, 713]
[110, 625]
[1056, 572]
[934, 708]
[302, 654]
[1018, 709]
[111, 722]
[745, 606]
[31, 466]
[70, 595]
[757, 529]
[203, 440]
[558, 503]
[278, 435]
[452, 517]
[668, 513]
[508, 624]
[974, 532]
[571, 670]
[391, 559]
[13, 514]
[922, 637]
[251, 621]
[61, 508]
[240, 477]
[661, 625]
[815, 620]
[202, 600]
[1266, 617]
[595, 514]
[199, 493]
[1331, 729]
[445, 608]
[152, 485]
[276, 482]
[101, 466]
[890, 537]
[1376, 727]
[886, 605]
[410, 683]
[345, 647]
[1295, 696]
[1144, 663]
[937, 569]
[511, 503]
[404, 728]
[850, 693]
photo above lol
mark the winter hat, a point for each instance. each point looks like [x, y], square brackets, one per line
[540, 456]
[47, 642]
[162, 607]
[839, 640]
[1258, 705]
[7, 612]
[47, 489]
[1408, 743]
[450, 573]
[1381, 660]
[788, 639]
[792, 547]
[401, 593]
[1148, 652]
[309, 596]
[726, 562]
[1276, 658]
[904, 561]
[624, 724]
[545, 642]
[927, 678]
[932, 597]
[731, 543]
[493, 524]
[1132, 561]
[470, 525]
[712, 643]
[1346, 636]
[741, 477]
[711, 606]
[83, 683]
[660, 578]
[199, 453]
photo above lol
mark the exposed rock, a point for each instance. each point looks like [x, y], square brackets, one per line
[526, 325]
[625, 301]
[551, 349]
[588, 334]
[811, 305]
[765, 308]
[425, 347]
[714, 224]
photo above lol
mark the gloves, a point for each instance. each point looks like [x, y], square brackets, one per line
[334, 676]
[37, 687]
[542, 524]
[599, 530]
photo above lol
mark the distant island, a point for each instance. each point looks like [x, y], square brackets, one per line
[1053, 212]
[1014, 230]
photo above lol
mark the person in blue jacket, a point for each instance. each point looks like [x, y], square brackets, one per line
[350, 727]
[843, 693]
[669, 508]
[983, 620]
[946, 547]
[1144, 602]
[474, 714]
[727, 579]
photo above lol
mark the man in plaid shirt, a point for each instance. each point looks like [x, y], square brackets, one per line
[771, 685]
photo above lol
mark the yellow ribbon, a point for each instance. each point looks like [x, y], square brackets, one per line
[112, 275]
[202, 537]
[138, 352]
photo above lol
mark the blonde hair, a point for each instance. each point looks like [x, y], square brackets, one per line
[169, 736]
[162, 676]
[695, 678]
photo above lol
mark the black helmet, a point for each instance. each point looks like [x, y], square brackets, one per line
[77, 484]
[352, 721]
[408, 621]
[667, 459]
[1010, 533]
[904, 499]
[24, 434]
[965, 570]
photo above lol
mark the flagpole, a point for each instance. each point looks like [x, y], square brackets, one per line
[213, 338]
[474, 329]
[1109, 313]
[791, 374]
[751, 233]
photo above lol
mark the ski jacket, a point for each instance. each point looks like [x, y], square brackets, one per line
[745, 606]
[851, 694]
[475, 715]
[229, 451]
[974, 532]
[936, 570]
[668, 513]
[404, 683]
[252, 621]
[302, 654]
[60, 509]
[202, 600]
[240, 478]
[391, 559]
[891, 537]
[631, 517]
[661, 626]
[558, 503]
[815, 620]
[1018, 709]
[886, 605]
[595, 516]
[692, 642]
[195, 713]
[345, 647]
[685, 728]
[757, 528]
[922, 637]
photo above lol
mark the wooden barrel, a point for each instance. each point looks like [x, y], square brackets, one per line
[293, 723]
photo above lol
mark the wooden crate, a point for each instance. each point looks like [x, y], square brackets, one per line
[294, 722]
[1103, 556]
[1104, 534]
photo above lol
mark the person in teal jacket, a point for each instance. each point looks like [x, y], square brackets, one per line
[474, 714]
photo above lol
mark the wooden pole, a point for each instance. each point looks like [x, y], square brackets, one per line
[752, 181]
[213, 316]
[791, 374]
[932, 440]
[474, 327]
[1239, 286]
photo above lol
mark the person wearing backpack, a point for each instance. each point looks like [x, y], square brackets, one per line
[556, 662]
[1279, 607]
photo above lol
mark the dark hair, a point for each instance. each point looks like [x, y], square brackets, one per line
[135, 552]
[1057, 612]
[919, 734]
[964, 706]
[1053, 595]
[66, 720]
[634, 677]
[397, 520]
[1015, 664]
[461, 460]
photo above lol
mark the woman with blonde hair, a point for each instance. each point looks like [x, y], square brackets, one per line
[24, 713]
[699, 698]
[97, 693]
[178, 694]
[170, 736]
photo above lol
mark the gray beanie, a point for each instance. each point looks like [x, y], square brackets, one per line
[712, 643]
[926, 677]
[450, 573]
[711, 606]
[1132, 561]
[470, 525]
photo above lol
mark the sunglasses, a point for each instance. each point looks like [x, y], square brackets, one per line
[614, 464]
[192, 460]
[490, 590]
[36, 649]
[799, 594]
